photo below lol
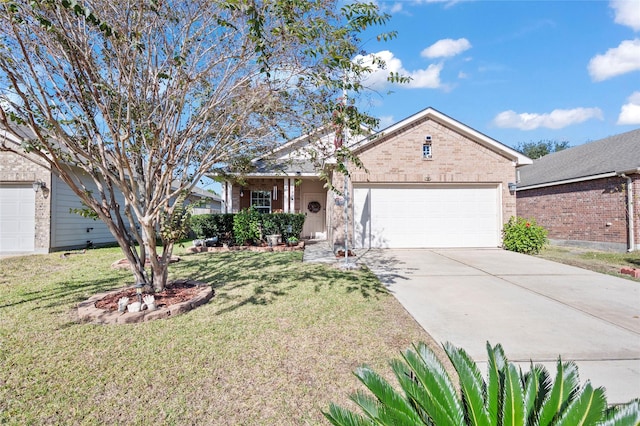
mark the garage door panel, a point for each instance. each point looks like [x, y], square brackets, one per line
[17, 219]
[426, 217]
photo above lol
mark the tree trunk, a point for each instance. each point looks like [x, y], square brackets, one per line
[160, 276]
[159, 264]
[119, 231]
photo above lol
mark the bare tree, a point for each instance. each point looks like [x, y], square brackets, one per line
[146, 96]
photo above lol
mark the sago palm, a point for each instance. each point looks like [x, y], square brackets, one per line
[507, 397]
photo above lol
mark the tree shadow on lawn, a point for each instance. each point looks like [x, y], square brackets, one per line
[272, 275]
[64, 293]
[61, 291]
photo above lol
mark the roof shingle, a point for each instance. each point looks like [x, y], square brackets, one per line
[616, 153]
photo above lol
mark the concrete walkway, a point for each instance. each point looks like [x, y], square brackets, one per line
[535, 308]
[318, 251]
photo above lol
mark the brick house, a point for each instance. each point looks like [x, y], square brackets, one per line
[41, 221]
[586, 195]
[428, 181]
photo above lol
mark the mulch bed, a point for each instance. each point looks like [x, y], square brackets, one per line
[177, 292]
[265, 248]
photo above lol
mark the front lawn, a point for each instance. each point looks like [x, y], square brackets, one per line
[594, 260]
[275, 345]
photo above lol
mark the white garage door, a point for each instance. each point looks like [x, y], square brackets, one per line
[17, 218]
[414, 217]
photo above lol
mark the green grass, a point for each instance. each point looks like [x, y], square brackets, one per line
[598, 261]
[276, 344]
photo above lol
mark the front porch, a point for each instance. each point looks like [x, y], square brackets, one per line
[302, 194]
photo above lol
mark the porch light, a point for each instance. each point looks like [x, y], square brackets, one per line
[275, 192]
[512, 187]
[37, 185]
[241, 192]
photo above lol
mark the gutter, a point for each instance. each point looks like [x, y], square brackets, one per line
[630, 210]
[566, 181]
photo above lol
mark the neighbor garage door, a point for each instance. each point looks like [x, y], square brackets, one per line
[17, 218]
[414, 217]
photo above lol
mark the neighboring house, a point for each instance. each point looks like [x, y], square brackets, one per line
[41, 221]
[430, 181]
[205, 202]
[587, 195]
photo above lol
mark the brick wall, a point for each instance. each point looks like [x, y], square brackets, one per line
[592, 211]
[15, 169]
[456, 159]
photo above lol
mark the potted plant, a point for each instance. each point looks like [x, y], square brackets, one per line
[292, 241]
[273, 240]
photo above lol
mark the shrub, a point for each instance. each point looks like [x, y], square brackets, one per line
[523, 236]
[288, 224]
[270, 225]
[212, 225]
[253, 226]
[508, 397]
[246, 227]
[202, 226]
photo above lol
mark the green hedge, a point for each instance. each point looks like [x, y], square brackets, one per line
[213, 225]
[247, 225]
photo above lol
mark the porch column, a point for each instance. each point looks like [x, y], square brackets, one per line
[292, 195]
[228, 197]
[285, 201]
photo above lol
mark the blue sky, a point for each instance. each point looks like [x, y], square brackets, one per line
[517, 71]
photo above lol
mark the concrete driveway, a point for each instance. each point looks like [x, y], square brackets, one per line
[535, 308]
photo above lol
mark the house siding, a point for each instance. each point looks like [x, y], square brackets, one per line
[15, 169]
[70, 230]
[591, 213]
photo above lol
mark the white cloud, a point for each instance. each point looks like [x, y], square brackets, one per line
[556, 119]
[627, 13]
[619, 60]
[630, 112]
[386, 121]
[446, 48]
[428, 78]
[397, 7]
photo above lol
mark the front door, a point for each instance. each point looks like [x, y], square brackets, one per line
[313, 207]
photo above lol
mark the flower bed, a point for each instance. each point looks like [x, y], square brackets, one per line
[91, 310]
[279, 247]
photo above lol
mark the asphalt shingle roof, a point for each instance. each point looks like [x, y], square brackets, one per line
[616, 153]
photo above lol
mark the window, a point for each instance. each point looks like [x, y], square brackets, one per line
[426, 150]
[261, 201]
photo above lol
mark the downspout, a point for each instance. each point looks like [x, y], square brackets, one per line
[630, 213]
